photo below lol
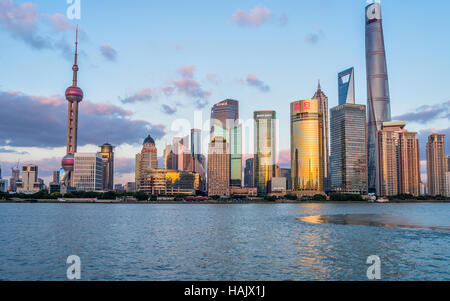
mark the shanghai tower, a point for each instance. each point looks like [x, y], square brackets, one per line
[379, 104]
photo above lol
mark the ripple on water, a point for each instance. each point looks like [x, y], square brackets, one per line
[373, 220]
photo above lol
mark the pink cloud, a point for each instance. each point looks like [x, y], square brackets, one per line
[284, 157]
[256, 17]
[191, 88]
[61, 22]
[104, 109]
[141, 96]
[187, 71]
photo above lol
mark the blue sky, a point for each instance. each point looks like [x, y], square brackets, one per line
[286, 48]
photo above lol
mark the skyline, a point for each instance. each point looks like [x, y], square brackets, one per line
[257, 83]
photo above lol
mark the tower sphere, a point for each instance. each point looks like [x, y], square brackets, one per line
[74, 93]
[68, 162]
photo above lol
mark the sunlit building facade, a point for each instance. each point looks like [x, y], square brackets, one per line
[323, 110]
[307, 151]
[399, 164]
[348, 149]
[436, 165]
[265, 165]
[218, 167]
[146, 159]
[225, 124]
[168, 182]
[107, 154]
[88, 172]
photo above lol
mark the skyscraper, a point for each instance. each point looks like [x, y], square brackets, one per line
[88, 173]
[225, 123]
[74, 96]
[218, 167]
[107, 153]
[236, 156]
[349, 149]
[265, 165]
[347, 86]
[147, 159]
[166, 155]
[15, 172]
[30, 182]
[399, 164]
[379, 106]
[248, 173]
[56, 177]
[307, 151]
[323, 110]
[223, 117]
[448, 176]
[436, 165]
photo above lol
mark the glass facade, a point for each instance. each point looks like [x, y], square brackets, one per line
[168, 182]
[88, 172]
[348, 149]
[225, 124]
[265, 150]
[307, 152]
[378, 104]
[236, 156]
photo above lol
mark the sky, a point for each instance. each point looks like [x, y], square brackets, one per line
[147, 67]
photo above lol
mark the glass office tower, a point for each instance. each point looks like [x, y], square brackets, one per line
[265, 165]
[379, 106]
[225, 124]
[348, 149]
[307, 152]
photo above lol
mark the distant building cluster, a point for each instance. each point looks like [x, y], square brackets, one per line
[350, 148]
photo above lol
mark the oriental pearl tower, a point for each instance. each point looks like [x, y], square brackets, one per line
[74, 96]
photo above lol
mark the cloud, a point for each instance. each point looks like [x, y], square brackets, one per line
[124, 165]
[108, 52]
[253, 81]
[35, 121]
[12, 151]
[61, 23]
[187, 72]
[178, 47]
[23, 22]
[168, 109]
[191, 88]
[254, 18]
[20, 20]
[314, 37]
[284, 158]
[427, 113]
[142, 96]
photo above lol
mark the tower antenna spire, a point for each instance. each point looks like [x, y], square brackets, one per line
[75, 65]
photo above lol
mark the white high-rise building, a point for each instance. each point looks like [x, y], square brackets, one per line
[30, 182]
[88, 172]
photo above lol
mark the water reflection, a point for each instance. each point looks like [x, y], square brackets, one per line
[372, 220]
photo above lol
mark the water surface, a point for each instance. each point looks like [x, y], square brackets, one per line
[225, 242]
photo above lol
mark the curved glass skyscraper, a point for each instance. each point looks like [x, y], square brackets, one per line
[379, 107]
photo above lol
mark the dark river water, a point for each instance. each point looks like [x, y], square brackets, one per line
[225, 242]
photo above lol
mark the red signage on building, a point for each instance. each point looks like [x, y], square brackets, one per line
[297, 106]
[307, 106]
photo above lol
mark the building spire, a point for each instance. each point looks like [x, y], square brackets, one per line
[75, 65]
[319, 88]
